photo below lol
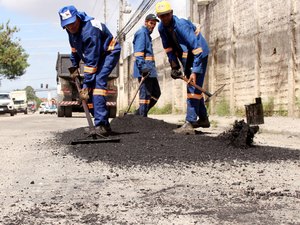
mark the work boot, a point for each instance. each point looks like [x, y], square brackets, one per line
[186, 128]
[203, 122]
[103, 130]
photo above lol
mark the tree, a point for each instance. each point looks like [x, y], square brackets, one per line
[13, 58]
[31, 96]
[30, 93]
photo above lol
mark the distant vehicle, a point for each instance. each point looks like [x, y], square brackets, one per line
[52, 109]
[42, 107]
[7, 104]
[31, 106]
[20, 101]
[46, 108]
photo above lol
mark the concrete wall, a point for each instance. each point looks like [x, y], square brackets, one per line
[254, 51]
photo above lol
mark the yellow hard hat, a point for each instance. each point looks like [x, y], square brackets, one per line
[163, 7]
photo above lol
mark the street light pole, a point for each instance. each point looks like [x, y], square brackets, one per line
[123, 9]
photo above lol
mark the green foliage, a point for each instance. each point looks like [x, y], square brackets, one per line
[282, 112]
[13, 59]
[31, 96]
[223, 108]
[298, 102]
[240, 112]
[269, 107]
[214, 123]
[166, 109]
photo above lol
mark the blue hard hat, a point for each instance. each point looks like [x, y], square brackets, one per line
[67, 15]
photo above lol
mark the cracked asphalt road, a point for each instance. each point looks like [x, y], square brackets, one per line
[148, 178]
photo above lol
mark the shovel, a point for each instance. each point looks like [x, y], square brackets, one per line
[135, 94]
[94, 136]
[207, 93]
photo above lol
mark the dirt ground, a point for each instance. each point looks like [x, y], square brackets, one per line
[151, 177]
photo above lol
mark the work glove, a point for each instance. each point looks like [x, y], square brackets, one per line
[176, 74]
[145, 72]
[74, 72]
[84, 94]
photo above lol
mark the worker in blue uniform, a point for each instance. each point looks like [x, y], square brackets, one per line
[144, 66]
[183, 42]
[92, 42]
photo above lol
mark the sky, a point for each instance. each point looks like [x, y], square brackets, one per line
[42, 36]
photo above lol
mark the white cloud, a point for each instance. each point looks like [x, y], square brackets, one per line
[46, 9]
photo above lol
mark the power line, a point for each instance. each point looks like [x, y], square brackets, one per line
[141, 10]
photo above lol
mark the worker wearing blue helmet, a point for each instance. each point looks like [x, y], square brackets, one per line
[92, 42]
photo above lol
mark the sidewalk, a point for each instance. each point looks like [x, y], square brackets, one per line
[273, 125]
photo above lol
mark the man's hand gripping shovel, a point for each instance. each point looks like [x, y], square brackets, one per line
[177, 74]
[94, 136]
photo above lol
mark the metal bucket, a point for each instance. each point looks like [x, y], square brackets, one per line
[255, 112]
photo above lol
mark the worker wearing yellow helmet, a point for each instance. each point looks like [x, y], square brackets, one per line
[184, 43]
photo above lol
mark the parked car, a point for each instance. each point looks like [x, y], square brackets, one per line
[42, 107]
[52, 109]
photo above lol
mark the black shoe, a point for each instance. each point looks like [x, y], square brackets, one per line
[203, 122]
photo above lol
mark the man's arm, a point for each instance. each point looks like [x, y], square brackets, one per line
[92, 52]
[188, 34]
[139, 46]
[174, 63]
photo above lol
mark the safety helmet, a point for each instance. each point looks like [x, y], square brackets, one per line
[163, 7]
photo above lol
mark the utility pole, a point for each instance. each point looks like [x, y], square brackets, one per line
[104, 9]
[123, 9]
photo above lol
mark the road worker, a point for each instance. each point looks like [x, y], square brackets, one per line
[183, 42]
[92, 42]
[144, 66]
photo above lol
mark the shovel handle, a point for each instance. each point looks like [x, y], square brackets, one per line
[197, 86]
[140, 84]
[85, 107]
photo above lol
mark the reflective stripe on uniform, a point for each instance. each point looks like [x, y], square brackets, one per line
[168, 50]
[194, 96]
[98, 91]
[149, 58]
[139, 54]
[111, 45]
[144, 101]
[197, 51]
[184, 55]
[89, 69]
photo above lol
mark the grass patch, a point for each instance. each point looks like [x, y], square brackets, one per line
[167, 109]
[223, 108]
[269, 107]
[213, 123]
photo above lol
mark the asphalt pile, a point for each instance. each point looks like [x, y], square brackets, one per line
[241, 135]
[147, 141]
